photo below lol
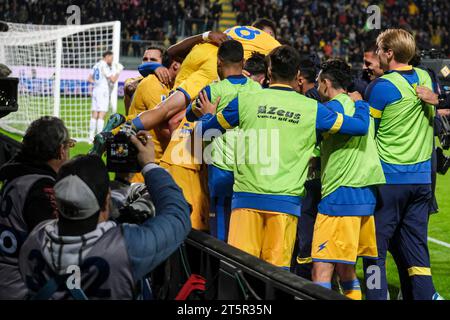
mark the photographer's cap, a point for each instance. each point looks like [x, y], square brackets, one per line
[75, 198]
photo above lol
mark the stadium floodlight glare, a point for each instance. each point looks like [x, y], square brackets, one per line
[52, 63]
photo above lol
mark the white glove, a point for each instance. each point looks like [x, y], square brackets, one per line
[119, 67]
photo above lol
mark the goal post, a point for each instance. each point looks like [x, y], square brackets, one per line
[53, 64]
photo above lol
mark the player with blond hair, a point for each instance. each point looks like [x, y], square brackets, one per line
[404, 138]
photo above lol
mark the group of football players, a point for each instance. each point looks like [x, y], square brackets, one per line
[301, 172]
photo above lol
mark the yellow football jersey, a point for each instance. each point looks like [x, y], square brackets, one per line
[139, 78]
[182, 158]
[183, 150]
[198, 70]
[149, 93]
[253, 39]
[200, 66]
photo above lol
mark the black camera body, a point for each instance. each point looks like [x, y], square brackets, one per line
[121, 154]
[8, 96]
[442, 161]
[444, 132]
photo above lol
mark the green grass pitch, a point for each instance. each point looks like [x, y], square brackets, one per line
[439, 228]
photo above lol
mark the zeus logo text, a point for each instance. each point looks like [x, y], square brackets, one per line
[276, 111]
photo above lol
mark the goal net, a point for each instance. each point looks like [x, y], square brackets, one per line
[53, 64]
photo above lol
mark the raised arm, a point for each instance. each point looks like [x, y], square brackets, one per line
[182, 48]
[163, 112]
[157, 238]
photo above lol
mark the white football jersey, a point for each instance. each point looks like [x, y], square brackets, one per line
[100, 73]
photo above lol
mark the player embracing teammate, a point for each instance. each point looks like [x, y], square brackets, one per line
[404, 138]
[376, 170]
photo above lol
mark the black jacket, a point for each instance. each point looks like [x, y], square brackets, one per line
[313, 94]
[40, 203]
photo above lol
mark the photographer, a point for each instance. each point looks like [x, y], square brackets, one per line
[27, 196]
[113, 259]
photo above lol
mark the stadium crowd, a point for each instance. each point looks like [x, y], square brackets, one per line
[156, 20]
[328, 28]
[337, 28]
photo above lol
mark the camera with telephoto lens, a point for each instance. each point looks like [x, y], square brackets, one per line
[121, 154]
[444, 132]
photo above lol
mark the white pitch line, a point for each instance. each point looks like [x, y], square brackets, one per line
[442, 243]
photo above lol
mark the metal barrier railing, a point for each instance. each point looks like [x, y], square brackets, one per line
[233, 274]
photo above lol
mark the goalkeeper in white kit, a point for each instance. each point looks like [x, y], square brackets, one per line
[104, 74]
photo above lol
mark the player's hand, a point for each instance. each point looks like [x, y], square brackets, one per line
[204, 105]
[146, 149]
[119, 67]
[427, 95]
[246, 73]
[355, 95]
[444, 112]
[217, 37]
[163, 75]
[130, 87]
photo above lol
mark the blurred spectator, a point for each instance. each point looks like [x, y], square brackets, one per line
[339, 27]
[27, 196]
[83, 235]
[136, 38]
[149, 18]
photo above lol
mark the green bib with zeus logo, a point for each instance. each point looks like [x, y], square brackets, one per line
[276, 139]
[350, 161]
[222, 148]
[405, 134]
